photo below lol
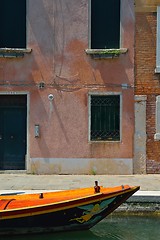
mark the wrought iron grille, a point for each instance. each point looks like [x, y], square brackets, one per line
[105, 118]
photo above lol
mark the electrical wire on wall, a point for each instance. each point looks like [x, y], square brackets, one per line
[65, 87]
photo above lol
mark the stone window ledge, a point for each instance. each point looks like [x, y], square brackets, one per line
[157, 137]
[157, 69]
[105, 53]
[14, 52]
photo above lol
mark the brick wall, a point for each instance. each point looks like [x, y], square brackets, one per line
[147, 82]
[153, 147]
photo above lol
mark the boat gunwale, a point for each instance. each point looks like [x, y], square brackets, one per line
[74, 203]
[63, 192]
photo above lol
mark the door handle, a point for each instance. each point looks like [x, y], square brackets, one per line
[0, 137]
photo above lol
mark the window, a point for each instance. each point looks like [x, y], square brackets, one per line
[158, 42]
[13, 24]
[105, 117]
[157, 134]
[105, 24]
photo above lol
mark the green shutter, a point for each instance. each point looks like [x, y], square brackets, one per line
[13, 24]
[105, 24]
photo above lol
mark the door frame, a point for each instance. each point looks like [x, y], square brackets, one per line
[9, 93]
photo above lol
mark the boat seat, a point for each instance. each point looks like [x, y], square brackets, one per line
[4, 203]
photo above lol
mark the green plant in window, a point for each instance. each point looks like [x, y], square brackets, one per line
[111, 51]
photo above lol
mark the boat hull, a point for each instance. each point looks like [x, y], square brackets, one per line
[78, 214]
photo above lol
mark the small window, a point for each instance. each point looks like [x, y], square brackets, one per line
[105, 24]
[13, 24]
[105, 118]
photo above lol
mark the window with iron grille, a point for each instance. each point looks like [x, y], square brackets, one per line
[105, 117]
[13, 24]
[105, 24]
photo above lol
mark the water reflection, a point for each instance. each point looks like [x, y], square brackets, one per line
[112, 228]
[129, 228]
[85, 235]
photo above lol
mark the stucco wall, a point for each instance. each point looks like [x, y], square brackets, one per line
[58, 34]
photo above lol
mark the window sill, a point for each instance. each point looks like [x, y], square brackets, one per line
[14, 52]
[157, 70]
[103, 141]
[157, 137]
[105, 53]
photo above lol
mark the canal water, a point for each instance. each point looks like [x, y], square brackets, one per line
[112, 228]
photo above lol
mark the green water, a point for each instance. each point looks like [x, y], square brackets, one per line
[112, 228]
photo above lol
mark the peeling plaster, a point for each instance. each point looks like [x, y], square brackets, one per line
[81, 166]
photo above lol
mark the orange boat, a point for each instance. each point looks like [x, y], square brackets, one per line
[68, 210]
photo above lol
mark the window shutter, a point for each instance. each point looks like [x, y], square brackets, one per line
[158, 42]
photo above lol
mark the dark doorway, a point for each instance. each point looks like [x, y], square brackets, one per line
[13, 122]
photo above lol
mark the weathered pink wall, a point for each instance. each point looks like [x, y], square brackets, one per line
[57, 33]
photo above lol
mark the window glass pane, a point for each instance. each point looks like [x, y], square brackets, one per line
[105, 118]
[105, 24]
[13, 24]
